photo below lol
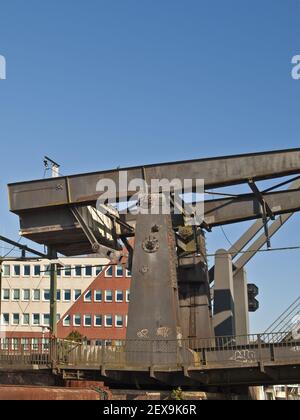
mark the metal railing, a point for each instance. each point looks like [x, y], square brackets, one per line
[287, 322]
[26, 351]
[220, 352]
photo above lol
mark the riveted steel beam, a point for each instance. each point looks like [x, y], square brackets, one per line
[216, 172]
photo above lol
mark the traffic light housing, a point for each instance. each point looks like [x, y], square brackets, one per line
[253, 292]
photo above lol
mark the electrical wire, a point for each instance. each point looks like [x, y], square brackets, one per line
[223, 230]
[13, 248]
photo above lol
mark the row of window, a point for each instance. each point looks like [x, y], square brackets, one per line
[37, 344]
[37, 320]
[18, 270]
[108, 321]
[43, 320]
[66, 295]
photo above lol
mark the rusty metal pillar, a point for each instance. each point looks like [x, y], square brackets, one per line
[153, 319]
[194, 290]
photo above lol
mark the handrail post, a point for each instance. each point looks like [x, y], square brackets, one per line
[259, 348]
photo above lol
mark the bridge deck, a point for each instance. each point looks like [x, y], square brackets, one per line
[251, 360]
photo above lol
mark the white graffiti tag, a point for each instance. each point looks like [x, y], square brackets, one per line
[164, 332]
[143, 334]
[244, 356]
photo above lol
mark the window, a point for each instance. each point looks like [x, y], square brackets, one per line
[128, 273]
[35, 344]
[87, 320]
[77, 320]
[67, 321]
[78, 271]
[25, 343]
[26, 295]
[88, 271]
[68, 271]
[46, 320]
[98, 320]
[36, 295]
[119, 271]
[46, 295]
[109, 272]
[108, 321]
[46, 343]
[88, 296]
[119, 321]
[15, 344]
[119, 296]
[6, 270]
[108, 296]
[58, 295]
[4, 343]
[26, 319]
[17, 270]
[16, 319]
[16, 294]
[37, 270]
[98, 295]
[36, 319]
[5, 319]
[77, 294]
[67, 295]
[6, 294]
[47, 269]
[26, 270]
[99, 270]
[127, 296]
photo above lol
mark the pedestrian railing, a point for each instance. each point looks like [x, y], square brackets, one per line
[219, 352]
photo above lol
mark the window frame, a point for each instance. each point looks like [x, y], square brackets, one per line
[74, 318]
[116, 321]
[95, 323]
[116, 296]
[105, 320]
[95, 296]
[112, 296]
[85, 316]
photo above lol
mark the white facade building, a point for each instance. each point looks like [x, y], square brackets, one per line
[25, 292]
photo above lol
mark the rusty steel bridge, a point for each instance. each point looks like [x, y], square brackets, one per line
[172, 304]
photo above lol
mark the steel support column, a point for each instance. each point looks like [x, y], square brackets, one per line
[224, 314]
[241, 303]
[154, 306]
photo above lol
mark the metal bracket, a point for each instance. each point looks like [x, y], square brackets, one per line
[96, 247]
[266, 210]
[87, 231]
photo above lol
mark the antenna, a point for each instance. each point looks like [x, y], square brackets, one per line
[54, 166]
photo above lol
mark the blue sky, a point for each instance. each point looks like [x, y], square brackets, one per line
[101, 84]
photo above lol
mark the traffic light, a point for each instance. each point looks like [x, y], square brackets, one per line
[253, 292]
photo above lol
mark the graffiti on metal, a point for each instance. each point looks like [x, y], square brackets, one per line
[164, 332]
[244, 356]
[143, 333]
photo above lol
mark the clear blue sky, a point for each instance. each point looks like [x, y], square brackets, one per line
[97, 84]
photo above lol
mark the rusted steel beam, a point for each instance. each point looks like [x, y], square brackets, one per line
[216, 172]
[246, 207]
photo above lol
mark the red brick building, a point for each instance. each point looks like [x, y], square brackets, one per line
[100, 314]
